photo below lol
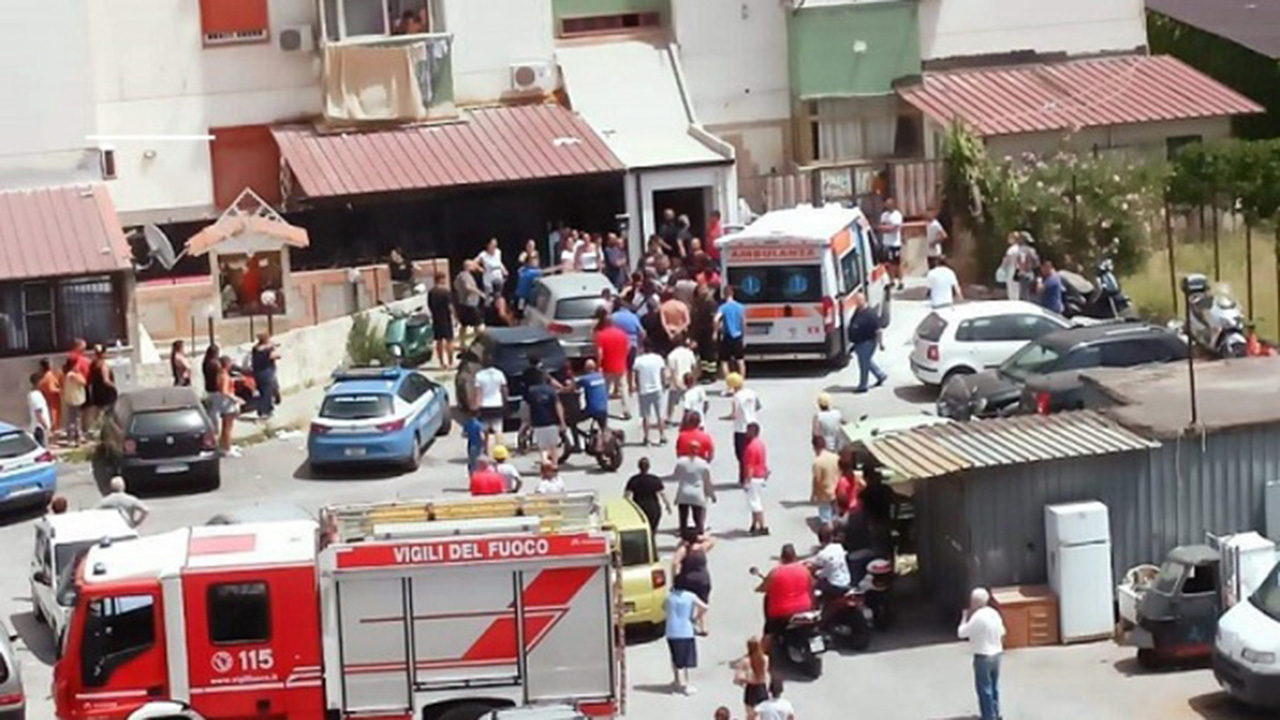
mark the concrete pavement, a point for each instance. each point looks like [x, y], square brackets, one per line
[914, 671]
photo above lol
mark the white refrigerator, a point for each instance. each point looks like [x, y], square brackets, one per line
[1078, 539]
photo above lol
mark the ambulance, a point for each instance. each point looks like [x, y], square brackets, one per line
[433, 610]
[796, 272]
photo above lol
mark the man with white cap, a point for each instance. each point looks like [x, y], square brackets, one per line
[983, 627]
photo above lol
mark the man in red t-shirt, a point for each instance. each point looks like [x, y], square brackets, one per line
[691, 433]
[485, 480]
[755, 468]
[788, 591]
[612, 347]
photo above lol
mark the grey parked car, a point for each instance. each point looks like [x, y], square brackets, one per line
[13, 702]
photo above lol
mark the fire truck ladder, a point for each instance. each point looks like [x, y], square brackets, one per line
[553, 512]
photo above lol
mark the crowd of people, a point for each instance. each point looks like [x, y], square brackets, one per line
[66, 401]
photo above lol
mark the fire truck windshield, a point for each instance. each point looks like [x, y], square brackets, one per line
[116, 629]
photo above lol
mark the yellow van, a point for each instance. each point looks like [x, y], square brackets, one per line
[644, 580]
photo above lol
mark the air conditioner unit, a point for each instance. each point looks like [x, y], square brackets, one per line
[533, 77]
[297, 38]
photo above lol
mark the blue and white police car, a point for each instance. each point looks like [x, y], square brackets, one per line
[27, 475]
[377, 415]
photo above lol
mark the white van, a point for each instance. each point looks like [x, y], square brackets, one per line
[1246, 653]
[60, 542]
[796, 271]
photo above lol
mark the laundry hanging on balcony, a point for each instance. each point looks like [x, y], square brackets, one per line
[365, 83]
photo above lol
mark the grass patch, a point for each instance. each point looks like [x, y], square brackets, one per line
[1149, 286]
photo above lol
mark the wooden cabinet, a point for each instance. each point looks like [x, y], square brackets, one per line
[1030, 615]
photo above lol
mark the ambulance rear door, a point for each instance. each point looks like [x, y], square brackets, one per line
[783, 285]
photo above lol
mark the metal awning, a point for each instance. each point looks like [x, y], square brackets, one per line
[938, 450]
[60, 231]
[488, 146]
[1045, 97]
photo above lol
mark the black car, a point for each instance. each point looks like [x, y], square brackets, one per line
[512, 350]
[161, 437]
[1045, 374]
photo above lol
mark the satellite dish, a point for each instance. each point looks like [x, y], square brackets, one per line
[158, 246]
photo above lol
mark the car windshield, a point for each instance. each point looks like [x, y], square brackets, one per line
[65, 558]
[776, 284]
[634, 545]
[162, 422]
[579, 308]
[355, 407]
[1267, 597]
[1167, 580]
[514, 359]
[931, 328]
[16, 444]
[1031, 359]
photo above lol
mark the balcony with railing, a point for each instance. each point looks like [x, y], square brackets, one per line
[384, 64]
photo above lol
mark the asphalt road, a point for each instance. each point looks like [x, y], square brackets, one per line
[915, 671]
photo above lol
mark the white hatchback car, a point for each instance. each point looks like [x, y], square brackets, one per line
[976, 336]
[566, 306]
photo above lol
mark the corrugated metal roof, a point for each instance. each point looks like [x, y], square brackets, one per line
[1075, 94]
[936, 450]
[1249, 23]
[495, 145]
[55, 231]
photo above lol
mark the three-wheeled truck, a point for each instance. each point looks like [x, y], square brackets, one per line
[1171, 614]
[1177, 613]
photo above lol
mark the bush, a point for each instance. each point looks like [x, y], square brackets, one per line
[366, 344]
[1077, 206]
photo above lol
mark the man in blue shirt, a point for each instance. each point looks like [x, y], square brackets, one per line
[524, 281]
[1051, 289]
[595, 397]
[626, 319]
[731, 321]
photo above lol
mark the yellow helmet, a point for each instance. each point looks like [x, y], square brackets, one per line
[824, 401]
[500, 453]
[733, 380]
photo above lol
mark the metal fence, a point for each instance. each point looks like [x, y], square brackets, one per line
[916, 184]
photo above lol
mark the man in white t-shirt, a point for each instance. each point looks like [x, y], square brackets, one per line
[38, 413]
[944, 286]
[891, 238]
[983, 627]
[934, 235]
[651, 379]
[776, 707]
[744, 411]
[489, 394]
[831, 564]
[682, 365]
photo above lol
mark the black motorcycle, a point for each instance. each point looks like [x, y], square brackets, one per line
[1102, 299]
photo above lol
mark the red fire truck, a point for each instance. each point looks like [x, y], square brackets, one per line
[439, 610]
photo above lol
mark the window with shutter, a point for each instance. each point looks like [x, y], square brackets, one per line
[227, 22]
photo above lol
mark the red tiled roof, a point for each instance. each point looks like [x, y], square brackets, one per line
[52, 231]
[531, 142]
[1075, 94]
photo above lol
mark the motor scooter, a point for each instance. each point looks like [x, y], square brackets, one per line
[801, 644]
[1101, 299]
[1214, 321]
[409, 335]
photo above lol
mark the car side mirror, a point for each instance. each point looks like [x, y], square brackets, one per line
[41, 577]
